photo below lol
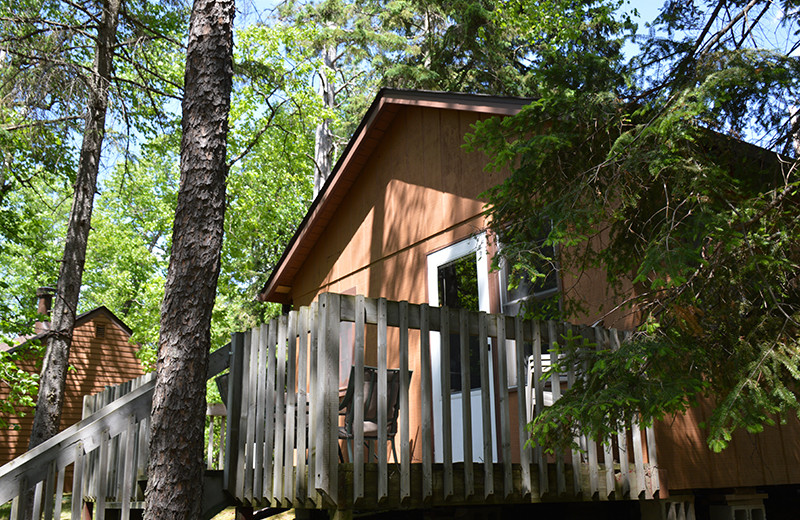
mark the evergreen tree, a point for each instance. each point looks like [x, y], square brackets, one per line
[643, 174]
[175, 472]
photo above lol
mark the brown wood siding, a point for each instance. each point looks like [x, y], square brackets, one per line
[771, 457]
[97, 362]
[417, 193]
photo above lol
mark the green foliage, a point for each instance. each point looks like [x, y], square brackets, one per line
[269, 187]
[22, 384]
[645, 180]
[47, 60]
[127, 258]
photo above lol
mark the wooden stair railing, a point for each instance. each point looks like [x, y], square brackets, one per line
[106, 450]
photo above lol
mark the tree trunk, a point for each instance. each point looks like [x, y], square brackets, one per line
[323, 136]
[54, 369]
[175, 475]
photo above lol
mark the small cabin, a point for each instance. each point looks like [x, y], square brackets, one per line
[400, 376]
[101, 355]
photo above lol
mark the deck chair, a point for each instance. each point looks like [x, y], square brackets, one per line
[548, 385]
[370, 425]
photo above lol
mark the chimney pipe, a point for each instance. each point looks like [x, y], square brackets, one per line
[44, 295]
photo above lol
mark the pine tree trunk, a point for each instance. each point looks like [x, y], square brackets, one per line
[323, 136]
[56, 362]
[175, 475]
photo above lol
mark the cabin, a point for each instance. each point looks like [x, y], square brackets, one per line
[101, 355]
[399, 378]
[401, 218]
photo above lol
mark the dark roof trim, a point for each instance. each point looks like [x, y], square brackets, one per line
[366, 137]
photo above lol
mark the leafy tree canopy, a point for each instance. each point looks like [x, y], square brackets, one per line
[640, 168]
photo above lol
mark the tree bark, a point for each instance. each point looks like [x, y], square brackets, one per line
[56, 362]
[175, 474]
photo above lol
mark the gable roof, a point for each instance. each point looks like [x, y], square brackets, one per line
[79, 320]
[366, 138]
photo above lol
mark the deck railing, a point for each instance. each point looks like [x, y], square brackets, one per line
[281, 438]
[286, 457]
[106, 468]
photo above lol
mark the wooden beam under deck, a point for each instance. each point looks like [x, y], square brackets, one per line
[393, 501]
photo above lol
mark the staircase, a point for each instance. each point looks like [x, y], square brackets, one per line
[107, 450]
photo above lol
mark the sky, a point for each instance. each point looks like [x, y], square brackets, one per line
[647, 9]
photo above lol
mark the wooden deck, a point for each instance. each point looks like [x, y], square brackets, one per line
[282, 446]
[300, 352]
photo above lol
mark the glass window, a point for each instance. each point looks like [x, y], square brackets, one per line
[458, 289]
[520, 289]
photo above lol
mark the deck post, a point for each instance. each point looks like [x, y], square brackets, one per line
[77, 480]
[522, 405]
[538, 393]
[466, 401]
[313, 403]
[383, 470]
[505, 408]
[234, 406]
[257, 344]
[280, 411]
[655, 483]
[291, 410]
[446, 433]
[578, 439]
[555, 381]
[271, 338]
[127, 480]
[249, 403]
[49, 490]
[622, 437]
[486, 384]
[328, 425]
[405, 445]
[608, 454]
[301, 484]
[427, 401]
[102, 479]
[358, 400]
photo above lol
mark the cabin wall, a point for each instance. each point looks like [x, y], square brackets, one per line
[98, 362]
[417, 193]
[769, 458]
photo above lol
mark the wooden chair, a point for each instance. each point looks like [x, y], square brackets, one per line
[371, 400]
[547, 385]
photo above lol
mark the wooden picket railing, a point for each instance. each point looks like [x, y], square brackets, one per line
[280, 455]
[107, 452]
[105, 468]
[281, 430]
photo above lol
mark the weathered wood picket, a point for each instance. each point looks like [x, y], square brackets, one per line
[284, 420]
[121, 468]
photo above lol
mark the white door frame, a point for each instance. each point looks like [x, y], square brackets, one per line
[474, 244]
